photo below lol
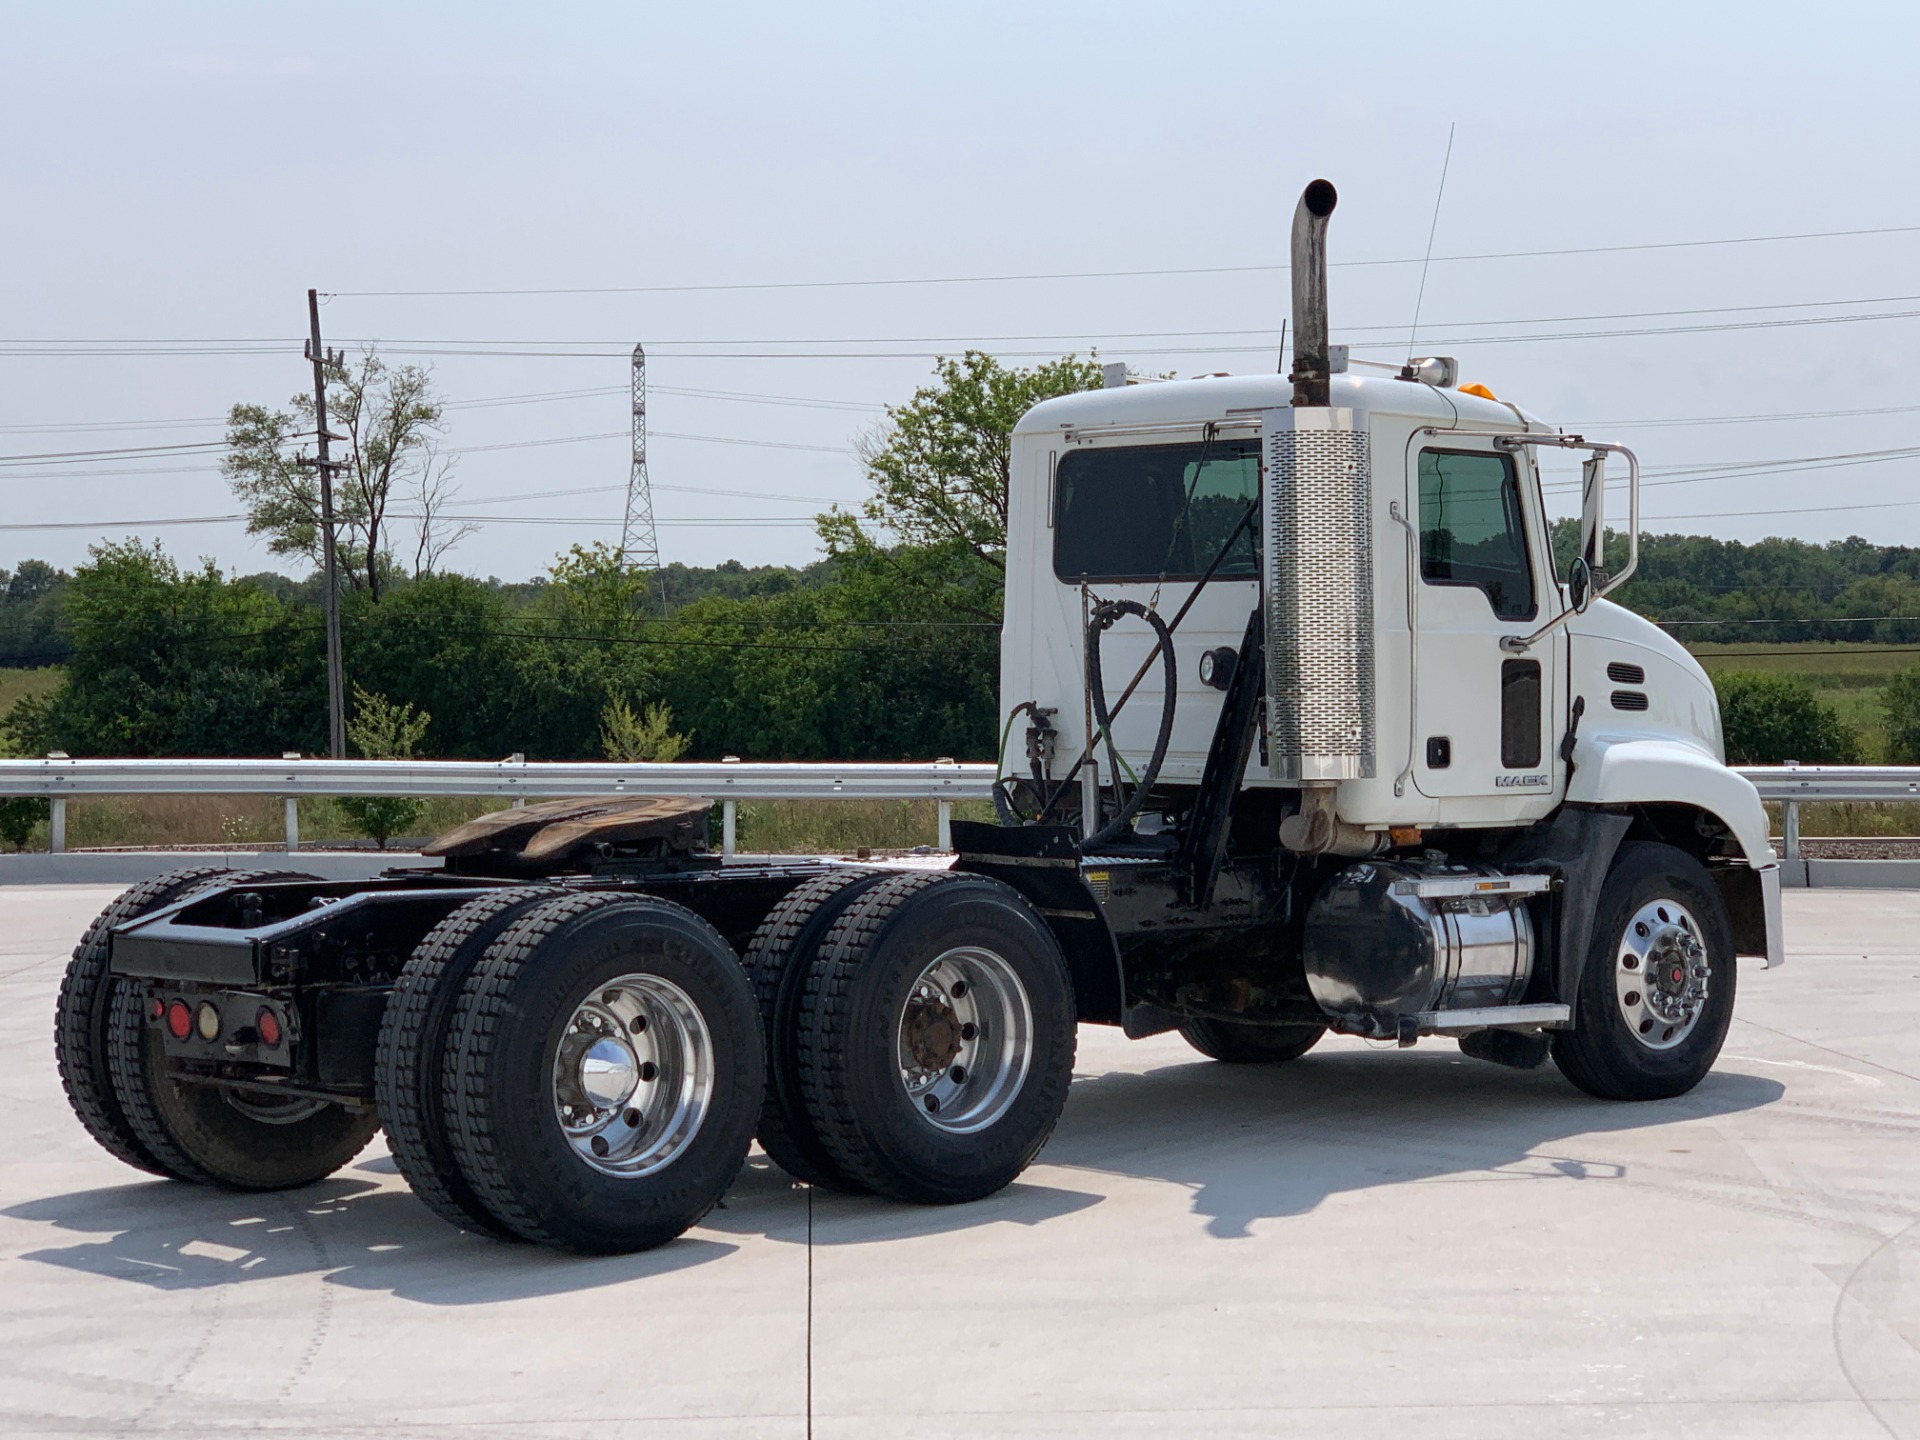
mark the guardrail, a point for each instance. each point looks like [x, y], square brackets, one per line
[1792, 786]
[728, 781]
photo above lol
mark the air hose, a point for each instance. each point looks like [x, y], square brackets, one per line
[1105, 614]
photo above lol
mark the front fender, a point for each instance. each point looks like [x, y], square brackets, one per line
[1642, 771]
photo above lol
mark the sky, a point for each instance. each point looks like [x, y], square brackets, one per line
[729, 185]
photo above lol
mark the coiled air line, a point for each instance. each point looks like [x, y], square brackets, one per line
[1105, 615]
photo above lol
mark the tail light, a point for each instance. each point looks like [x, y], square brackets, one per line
[179, 1020]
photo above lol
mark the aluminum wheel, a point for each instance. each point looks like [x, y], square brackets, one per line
[965, 1039]
[634, 1075]
[1660, 974]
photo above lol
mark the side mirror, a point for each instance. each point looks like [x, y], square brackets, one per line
[1580, 585]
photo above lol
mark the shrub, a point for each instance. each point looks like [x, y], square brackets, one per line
[644, 734]
[382, 730]
[1901, 702]
[1770, 719]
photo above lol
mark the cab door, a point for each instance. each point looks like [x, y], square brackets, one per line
[1482, 724]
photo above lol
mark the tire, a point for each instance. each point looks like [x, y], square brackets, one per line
[1622, 1045]
[412, 1049]
[85, 1008]
[555, 966]
[209, 1135]
[778, 958]
[1238, 1043]
[886, 976]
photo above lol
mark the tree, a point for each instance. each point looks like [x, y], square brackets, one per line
[389, 419]
[382, 730]
[629, 735]
[939, 467]
[1770, 719]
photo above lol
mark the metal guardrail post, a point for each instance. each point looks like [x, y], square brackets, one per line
[1790, 828]
[729, 816]
[290, 808]
[944, 835]
[57, 825]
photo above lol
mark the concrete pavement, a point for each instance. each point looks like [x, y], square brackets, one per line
[1364, 1241]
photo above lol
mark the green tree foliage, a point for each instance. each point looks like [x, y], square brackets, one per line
[381, 730]
[19, 813]
[1901, 703]
[645, 733]
[1770, 719]
[390, 418]
[939, 467]
[31, 595]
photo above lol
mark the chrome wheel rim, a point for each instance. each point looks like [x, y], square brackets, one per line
[964, 1040]
[633, 1077]
[1660, 974]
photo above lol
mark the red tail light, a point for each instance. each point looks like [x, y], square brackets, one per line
[268, 1024]
[179, 1020]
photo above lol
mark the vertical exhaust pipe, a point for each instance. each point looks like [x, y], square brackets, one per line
[1312, 367]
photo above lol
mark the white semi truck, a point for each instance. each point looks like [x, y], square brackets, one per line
[1302, 732]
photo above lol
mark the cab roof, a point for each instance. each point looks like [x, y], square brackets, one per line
[1173, 401]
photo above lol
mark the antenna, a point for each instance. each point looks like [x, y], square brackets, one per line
[1431, 230]
[639, 542]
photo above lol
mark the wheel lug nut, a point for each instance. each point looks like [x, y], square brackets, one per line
[649, 1070]
[969, 1031]
[958, 1074]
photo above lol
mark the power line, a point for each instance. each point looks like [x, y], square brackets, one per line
[1124, 274]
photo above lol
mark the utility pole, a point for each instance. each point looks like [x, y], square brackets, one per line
[336, 700]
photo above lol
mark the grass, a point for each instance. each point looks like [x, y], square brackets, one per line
[775, 826]
[19, 684]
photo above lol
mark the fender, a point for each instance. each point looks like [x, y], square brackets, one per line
[1646, 771]
[1641, 770]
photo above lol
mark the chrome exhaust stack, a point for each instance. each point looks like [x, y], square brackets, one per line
[1312, 359]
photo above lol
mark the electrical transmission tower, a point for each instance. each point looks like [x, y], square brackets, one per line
[639, 544]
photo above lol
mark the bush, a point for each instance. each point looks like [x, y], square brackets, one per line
[1770, 719]
[629, 735]
[1901, 702]
[382, 730]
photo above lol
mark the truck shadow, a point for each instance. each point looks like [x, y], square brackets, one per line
[354, 1232]
[1251, 1144]
[1265, 1142]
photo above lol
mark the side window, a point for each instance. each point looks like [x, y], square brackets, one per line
[1472, 529]
[1140, 512]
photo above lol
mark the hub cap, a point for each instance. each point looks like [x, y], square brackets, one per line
[1660, 974]
[634, 1075]
[965, 1040]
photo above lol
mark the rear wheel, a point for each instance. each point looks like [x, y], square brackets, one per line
[218, 1135]
[1238, 1043]
[603, 1072]
[412, 1049]
[84, 1011]
[782, 951]
[1656, 996]
[936, 1037]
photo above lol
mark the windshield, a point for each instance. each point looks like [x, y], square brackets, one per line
[1141, 512]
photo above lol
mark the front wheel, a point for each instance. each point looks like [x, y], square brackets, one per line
[1656, 996]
